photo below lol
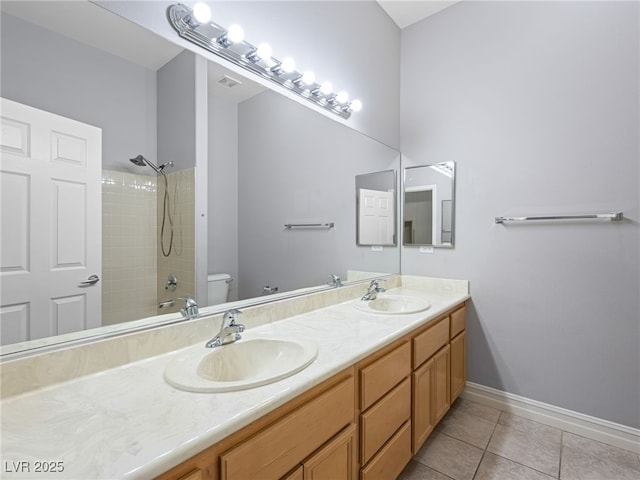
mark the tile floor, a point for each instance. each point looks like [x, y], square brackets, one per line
[477, 442]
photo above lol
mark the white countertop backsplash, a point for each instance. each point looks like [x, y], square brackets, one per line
[127, 422]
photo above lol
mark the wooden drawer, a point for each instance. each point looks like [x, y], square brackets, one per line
[384, 418]
[277, 449]
[458, 321]
[393, 457]
[430, 341]
[384, 374]
[195, 475]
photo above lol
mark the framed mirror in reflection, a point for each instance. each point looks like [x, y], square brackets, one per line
[263, 167]
[376, 207]
[428, 208]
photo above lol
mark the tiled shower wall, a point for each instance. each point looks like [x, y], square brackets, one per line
[134, 270]
[181, 261]
[129, 246]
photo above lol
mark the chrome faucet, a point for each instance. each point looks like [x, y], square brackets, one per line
[373, 290]
[190, 310]
[335, 281]
[229, 330]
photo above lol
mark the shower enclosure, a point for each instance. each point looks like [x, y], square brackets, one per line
[139, 254]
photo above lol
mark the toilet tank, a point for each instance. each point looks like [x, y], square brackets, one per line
[218, 288]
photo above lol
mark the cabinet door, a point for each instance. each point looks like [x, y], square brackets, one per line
[458, 364]
[335, 461]
[422, 418]
[441, 383]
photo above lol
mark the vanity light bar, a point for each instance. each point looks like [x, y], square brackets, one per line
[230, 45]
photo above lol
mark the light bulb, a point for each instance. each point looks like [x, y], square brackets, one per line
[201, 12]
[308, 77]
[288, 65]
[326, 88]
[235, 34]
[355, 105]
[342, 97]
[264, 51]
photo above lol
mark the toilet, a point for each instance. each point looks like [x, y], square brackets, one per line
[218, 287]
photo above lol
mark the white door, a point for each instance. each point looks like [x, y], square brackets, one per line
[376, 217]
[51, 224]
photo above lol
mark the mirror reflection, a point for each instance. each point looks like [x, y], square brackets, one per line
[376, 206]
[428, 210]
[268, 162]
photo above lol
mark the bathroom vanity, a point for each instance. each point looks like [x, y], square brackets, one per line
[379, 384]
[365, 422]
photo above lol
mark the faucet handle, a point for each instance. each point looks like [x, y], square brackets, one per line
[230, 316]
[189, 302]
[335, 281]
[190, 310]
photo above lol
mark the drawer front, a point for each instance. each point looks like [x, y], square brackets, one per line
[384, 418]
[384, 374]
[280, 447]
[430, 341]
[195, 475]
[458, 321]
[392, 459]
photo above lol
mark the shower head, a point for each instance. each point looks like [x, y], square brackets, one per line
[141, 162]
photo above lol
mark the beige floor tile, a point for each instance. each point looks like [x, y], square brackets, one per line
[602, 450]
[479, 410]
[535, 429]
[579, 465]
[449, 456]
[526, 449]
[417, 471]
[493, 467]
[468, 428]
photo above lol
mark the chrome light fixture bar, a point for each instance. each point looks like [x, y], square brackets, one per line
[229, 44]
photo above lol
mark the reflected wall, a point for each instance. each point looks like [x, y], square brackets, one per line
[288, 174]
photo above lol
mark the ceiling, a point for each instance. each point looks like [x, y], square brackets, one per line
[404, 12]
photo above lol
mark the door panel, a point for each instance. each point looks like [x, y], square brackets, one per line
[51, 223]
[376, 217]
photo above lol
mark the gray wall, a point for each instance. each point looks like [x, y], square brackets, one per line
[59, 75]
[176, 112]
[223, 190]
[538, 105]
[295, 166]
[354, 44]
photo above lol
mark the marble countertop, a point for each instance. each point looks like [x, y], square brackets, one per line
[127, 422]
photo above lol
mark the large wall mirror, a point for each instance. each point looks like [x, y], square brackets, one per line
[268, 162]
[428, 209]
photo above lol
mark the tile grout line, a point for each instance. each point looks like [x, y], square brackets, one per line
[484, 451]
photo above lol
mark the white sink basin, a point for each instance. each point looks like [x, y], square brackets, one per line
[393, 305]
[240, 365]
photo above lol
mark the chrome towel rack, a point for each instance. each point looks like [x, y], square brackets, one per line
[309, 225]
[614, 217]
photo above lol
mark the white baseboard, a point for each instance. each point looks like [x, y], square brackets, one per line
[590, 427]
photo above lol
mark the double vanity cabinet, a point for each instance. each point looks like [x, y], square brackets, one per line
[364, 423]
